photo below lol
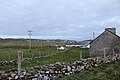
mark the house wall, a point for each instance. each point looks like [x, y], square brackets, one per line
[117, 47]
[104, 43]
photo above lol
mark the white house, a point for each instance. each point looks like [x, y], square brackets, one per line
[61, 48]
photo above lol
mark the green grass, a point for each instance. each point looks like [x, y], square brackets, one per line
[103, 72]
[10, 47]
[24, 43]
[68, 56]
[12, 53]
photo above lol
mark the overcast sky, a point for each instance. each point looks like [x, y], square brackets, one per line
[58, 19]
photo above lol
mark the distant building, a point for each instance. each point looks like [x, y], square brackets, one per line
[80, 44]
[73, 45]
[61, 48]
[105, 43]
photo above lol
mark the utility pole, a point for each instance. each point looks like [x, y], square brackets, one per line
[93, 35]
[30, 42]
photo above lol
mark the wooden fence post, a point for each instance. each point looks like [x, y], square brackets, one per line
[19, 62]
[104, 52]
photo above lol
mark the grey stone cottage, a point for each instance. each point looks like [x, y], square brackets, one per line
[105, 44]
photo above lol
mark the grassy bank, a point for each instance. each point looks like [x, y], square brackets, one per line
[103, 72]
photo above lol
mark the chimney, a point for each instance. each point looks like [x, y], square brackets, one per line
[113, 30]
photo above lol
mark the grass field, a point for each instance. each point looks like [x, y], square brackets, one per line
[68, 56]
[24, 43]
[11, 54]
[9, 48]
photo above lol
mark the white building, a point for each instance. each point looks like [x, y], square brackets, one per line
[61, 48]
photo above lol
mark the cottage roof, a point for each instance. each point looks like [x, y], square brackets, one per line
[103, 33]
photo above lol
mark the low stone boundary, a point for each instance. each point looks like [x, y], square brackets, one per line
[59, 69]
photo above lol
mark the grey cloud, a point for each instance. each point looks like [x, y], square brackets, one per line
[71, 19]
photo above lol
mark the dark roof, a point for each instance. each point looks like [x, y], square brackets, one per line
[102, 34]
